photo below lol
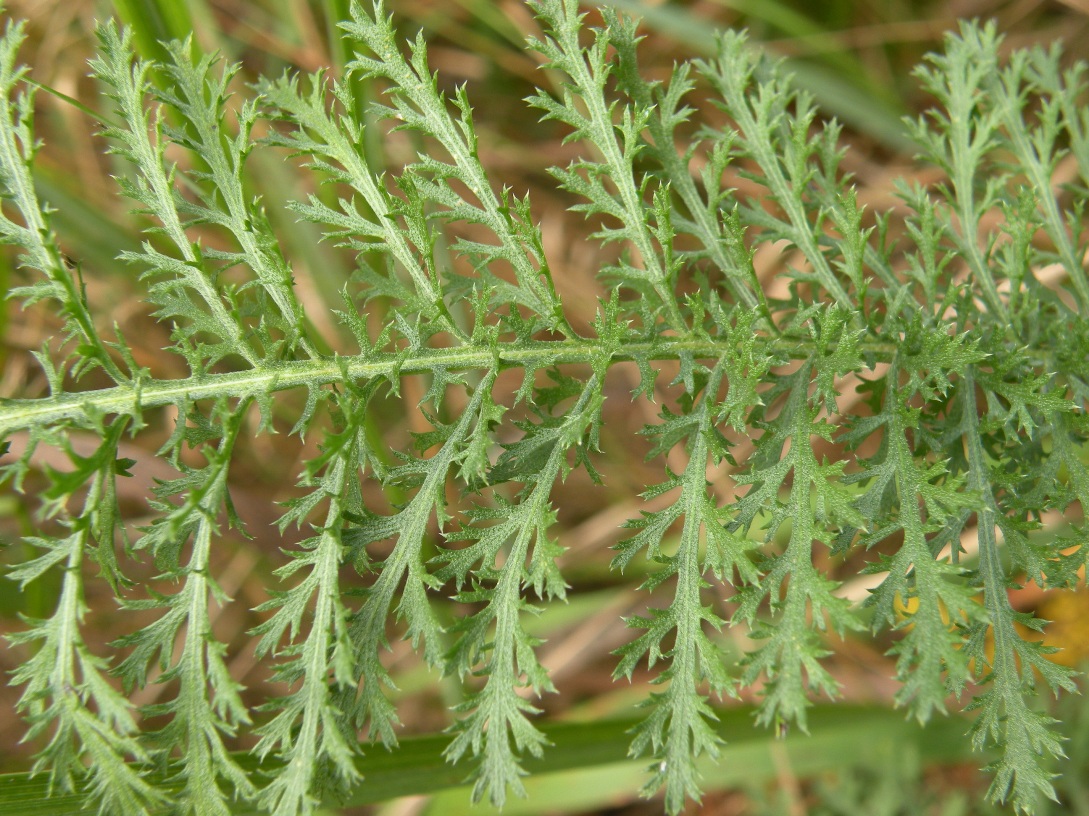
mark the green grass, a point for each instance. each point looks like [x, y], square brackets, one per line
[587, 766]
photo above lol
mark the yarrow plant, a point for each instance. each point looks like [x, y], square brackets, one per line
[964, 334]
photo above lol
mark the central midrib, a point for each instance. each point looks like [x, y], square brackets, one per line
[128, 398]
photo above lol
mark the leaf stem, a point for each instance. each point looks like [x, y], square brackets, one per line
[18, 414]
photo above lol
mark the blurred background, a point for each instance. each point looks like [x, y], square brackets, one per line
[854, 56]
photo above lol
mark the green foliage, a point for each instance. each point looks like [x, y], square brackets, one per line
[972, 375]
